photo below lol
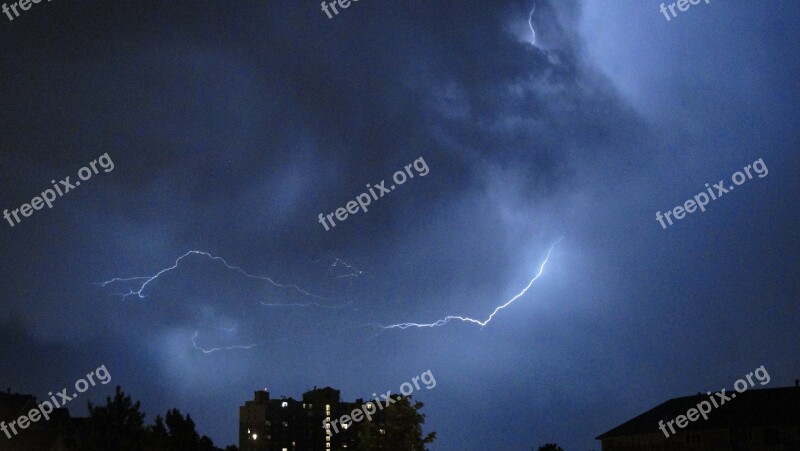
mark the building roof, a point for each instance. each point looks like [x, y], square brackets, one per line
[41, 435]
[750, 409]
[14, 405]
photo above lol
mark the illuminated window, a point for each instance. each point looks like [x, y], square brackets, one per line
[328, 409]
[383, 431]
[327, 445]
[254, 436]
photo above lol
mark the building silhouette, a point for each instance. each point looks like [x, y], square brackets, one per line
[756, 420]
[288, 425]
[55, 434]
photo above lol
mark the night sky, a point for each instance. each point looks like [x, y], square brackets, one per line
[232, 125]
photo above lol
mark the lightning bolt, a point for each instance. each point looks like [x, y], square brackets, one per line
[308, 304]
[220, 348]
[483, 323]
[530, 24]
[144, 281]
[355, 272]
[148, 279]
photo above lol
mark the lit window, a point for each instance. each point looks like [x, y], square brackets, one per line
[327, 445]
[254, 436]
[284, 404]
[248, 430]
[383, 431]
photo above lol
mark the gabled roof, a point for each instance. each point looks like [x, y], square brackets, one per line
[14, 405]
[40, 435]
[749, 409]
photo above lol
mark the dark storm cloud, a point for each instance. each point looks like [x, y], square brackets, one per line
[233, 125]
[226, 136]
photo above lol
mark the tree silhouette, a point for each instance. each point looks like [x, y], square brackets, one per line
[180, 433]
[158, 436]
[550, 447]
[118, 425]
[398, 428]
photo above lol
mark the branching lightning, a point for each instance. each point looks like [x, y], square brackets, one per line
[483, 323]
[148, 279]
[142, 283]
[353, 274]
